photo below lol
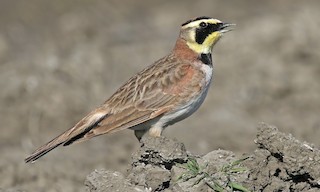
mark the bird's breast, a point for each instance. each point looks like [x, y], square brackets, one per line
[190, 105]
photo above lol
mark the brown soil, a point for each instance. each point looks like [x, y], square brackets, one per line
[60, 59]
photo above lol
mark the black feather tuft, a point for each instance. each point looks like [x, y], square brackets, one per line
[196, 19]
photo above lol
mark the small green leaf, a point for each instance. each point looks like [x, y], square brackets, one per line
[237, 169]
[237, 186]
[199, 180]
[215, 186]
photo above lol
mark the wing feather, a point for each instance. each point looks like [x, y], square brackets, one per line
[147, 95]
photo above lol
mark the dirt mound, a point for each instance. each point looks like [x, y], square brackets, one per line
[281, 163]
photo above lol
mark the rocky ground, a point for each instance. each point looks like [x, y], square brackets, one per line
[60, 59]
[280, 163]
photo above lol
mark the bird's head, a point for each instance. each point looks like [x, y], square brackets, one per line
[202, 33]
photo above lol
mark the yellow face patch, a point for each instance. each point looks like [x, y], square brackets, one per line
[207, 45]
[199, 38]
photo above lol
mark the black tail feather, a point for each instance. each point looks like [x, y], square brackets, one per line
[32, 158]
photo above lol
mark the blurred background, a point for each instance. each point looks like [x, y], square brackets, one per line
[60, 59]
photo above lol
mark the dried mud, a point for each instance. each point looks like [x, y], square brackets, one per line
[280, 163]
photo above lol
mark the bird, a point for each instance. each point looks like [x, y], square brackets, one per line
[165, 92]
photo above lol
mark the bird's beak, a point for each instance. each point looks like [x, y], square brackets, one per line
[224, 28]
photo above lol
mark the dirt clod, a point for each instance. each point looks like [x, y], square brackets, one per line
[102, 180]
[280, 163]
[161, 164]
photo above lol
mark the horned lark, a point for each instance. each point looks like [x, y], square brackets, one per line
[162, 94]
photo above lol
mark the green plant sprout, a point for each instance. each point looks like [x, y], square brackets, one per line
[193, 170]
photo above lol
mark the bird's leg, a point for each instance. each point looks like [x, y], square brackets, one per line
[139, 133]
[155, 131]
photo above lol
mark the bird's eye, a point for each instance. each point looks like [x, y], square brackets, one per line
[203, 25]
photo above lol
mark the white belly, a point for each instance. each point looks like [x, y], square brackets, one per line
[190, 107]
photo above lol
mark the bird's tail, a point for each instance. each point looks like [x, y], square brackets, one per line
[41, 151]
[75, 134]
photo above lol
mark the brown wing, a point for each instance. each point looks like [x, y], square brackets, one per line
[151, 93]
